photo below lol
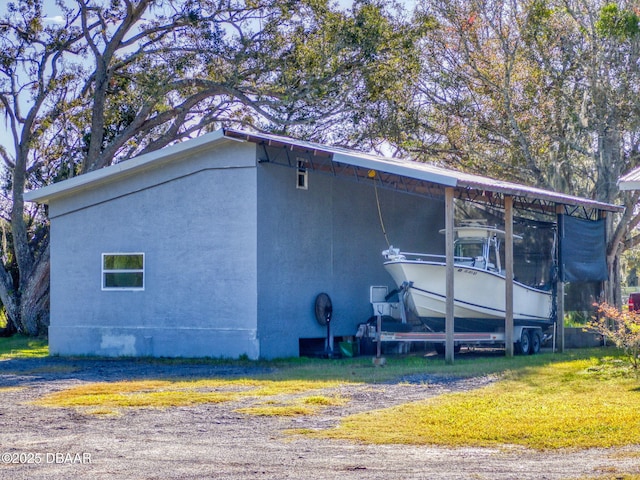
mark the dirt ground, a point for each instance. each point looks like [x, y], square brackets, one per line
[216, 442]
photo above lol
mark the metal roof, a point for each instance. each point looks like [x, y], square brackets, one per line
[468, 186]
[399, 174]
[630, 181]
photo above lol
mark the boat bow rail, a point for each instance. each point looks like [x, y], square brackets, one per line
[394, 254]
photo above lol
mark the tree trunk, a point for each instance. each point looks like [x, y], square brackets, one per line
[27, 308]
[34, 299]
[612, 291]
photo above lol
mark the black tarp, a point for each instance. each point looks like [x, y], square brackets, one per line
[582, 250]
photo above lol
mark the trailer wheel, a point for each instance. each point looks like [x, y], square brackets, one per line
[536, 342]
[523, 347]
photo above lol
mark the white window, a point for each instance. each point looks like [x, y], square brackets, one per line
[302, 176]
[123, 271]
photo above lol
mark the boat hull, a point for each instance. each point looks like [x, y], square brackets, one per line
[479, 297]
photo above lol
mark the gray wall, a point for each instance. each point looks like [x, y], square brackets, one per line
[235, 257]
[195, 221]
[328, 239]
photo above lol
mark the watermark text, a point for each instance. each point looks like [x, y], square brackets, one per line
[36, 458]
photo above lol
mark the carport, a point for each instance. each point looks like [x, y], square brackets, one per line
[447, 186]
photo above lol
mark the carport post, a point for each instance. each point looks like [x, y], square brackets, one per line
[560, 317]
[560, 286]
[508, 272]
[449, 226]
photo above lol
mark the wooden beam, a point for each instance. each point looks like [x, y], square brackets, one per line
[508, 270]
[449, 226]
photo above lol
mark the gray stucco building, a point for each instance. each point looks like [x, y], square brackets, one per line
[212, 248]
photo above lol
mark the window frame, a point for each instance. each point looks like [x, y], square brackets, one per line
[105, 271]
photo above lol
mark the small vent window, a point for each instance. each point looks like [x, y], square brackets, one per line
[302, 175]
[123, 271]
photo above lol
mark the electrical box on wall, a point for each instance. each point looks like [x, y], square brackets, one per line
[302, 175]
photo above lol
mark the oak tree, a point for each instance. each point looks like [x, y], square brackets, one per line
[543, 92]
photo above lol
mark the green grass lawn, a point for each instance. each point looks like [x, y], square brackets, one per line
[579, 399]
[19, 346]
[575, 401]
[361, 369]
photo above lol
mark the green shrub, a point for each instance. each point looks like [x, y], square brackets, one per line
[621, 327]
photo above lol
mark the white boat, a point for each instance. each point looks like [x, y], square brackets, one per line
[479, 284]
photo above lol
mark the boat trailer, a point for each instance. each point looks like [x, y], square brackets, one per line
[527, 339]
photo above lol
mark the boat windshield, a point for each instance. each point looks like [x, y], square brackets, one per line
[477, 252]
[467, 250]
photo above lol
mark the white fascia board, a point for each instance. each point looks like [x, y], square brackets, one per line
[127, 167]
[629, 185]
[411, 169]
[630, 181]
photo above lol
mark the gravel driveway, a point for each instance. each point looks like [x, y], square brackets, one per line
[214, 441]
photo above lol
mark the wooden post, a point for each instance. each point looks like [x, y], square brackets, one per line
[449, 226]
[508, 271]
[560, 286]
[379, 360]
[378, 336]
[560, 332]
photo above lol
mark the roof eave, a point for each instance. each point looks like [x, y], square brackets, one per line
[425, 172]
[505, 188]
[128, 167]
[395, 168]
[627, 185]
